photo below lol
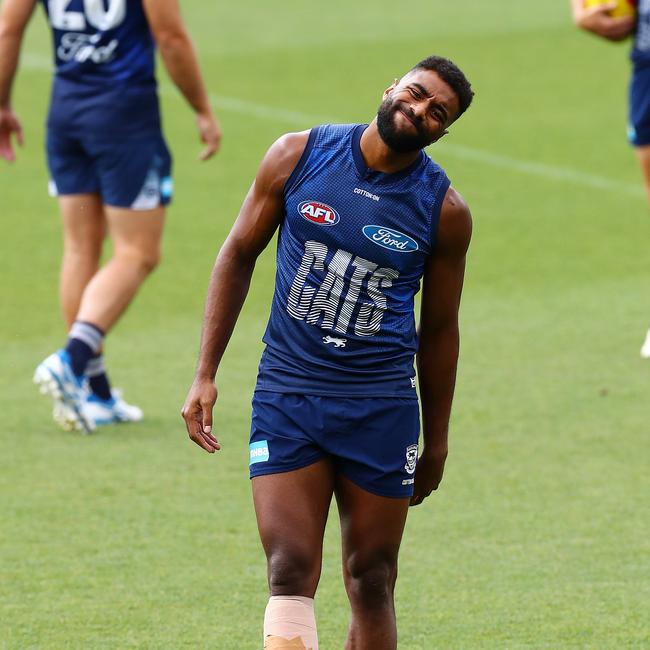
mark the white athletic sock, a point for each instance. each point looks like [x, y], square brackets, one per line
[290, 624]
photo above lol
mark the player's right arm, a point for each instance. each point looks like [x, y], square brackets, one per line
[14, 16]
[598, 21]
[179, 56]
[258, 219]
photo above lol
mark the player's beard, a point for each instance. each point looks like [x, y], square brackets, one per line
[395, 139]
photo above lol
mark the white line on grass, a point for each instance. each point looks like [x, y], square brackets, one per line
[542, 170]
[298, 119]
[462, 152]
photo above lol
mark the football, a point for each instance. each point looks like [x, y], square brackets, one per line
[623, 7]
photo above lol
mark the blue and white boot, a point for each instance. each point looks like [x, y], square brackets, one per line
[645, 348]
[110, 411]
[55, 378]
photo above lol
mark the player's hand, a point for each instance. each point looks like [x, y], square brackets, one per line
[597, 20]
[9, 124]
[428, 473]
[210, 134]
[197, 413]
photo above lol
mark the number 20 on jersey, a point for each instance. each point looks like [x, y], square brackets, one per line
[95, 13]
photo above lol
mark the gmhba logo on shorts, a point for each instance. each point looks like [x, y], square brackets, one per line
[319, 213]
[259, 452]
[389, 238]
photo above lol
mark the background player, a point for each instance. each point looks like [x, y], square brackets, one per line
[363, 215]
[598, 21]
[110, 168]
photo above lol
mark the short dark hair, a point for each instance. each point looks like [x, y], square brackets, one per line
[452, 75]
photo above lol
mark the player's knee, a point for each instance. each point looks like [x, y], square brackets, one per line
[82, 250]
[145, 260]
[292, 571]
[370, 584]
[150, 260]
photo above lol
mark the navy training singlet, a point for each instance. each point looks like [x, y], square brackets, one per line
[641, 49]
[352, 248]
[104, 66]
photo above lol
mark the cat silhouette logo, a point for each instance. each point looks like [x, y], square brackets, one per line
[338, 343]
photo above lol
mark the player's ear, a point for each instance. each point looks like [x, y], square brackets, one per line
[390, 88]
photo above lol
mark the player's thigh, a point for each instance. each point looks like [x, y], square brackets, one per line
[84, 222]
[293, 482]
[293, 505]
[291, 510]
[643, 156]
[136, 231]
[371, 529]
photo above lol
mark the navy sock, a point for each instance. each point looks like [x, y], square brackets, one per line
[80, 354]
[83, 342]
[97, 378]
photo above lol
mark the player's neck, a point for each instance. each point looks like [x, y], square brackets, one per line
[379, 156]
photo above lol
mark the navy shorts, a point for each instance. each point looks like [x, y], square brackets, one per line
[126, 171]
[639, 109]
[372, 441]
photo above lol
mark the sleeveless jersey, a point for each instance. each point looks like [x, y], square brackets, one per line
[641, 48]
[104, 66]
[352, 248]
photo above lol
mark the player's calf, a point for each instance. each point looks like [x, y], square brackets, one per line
[290, 624]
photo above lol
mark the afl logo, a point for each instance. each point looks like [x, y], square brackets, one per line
[394, 240]
[318, 213]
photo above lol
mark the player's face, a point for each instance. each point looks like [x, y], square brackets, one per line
[415, 111]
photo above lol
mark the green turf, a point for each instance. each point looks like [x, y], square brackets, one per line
[539, 535]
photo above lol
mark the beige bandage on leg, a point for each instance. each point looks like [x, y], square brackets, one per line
[289, 624]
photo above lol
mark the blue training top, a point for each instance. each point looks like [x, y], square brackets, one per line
[641, 48]
[352, 248]
[104, 59]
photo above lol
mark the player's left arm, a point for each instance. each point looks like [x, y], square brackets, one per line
[439, 339]
[14, 16]
[179, 56]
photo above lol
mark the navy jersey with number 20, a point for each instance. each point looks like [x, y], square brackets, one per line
[352, 248]
[104, 56]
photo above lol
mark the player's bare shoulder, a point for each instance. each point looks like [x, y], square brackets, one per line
[455, 226]
[281, 159]
[290, 146]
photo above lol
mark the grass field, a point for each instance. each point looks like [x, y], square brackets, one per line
[540, 534]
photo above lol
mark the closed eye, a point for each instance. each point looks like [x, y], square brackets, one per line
[439, 113]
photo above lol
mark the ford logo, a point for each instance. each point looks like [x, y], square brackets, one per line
[389, 238]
